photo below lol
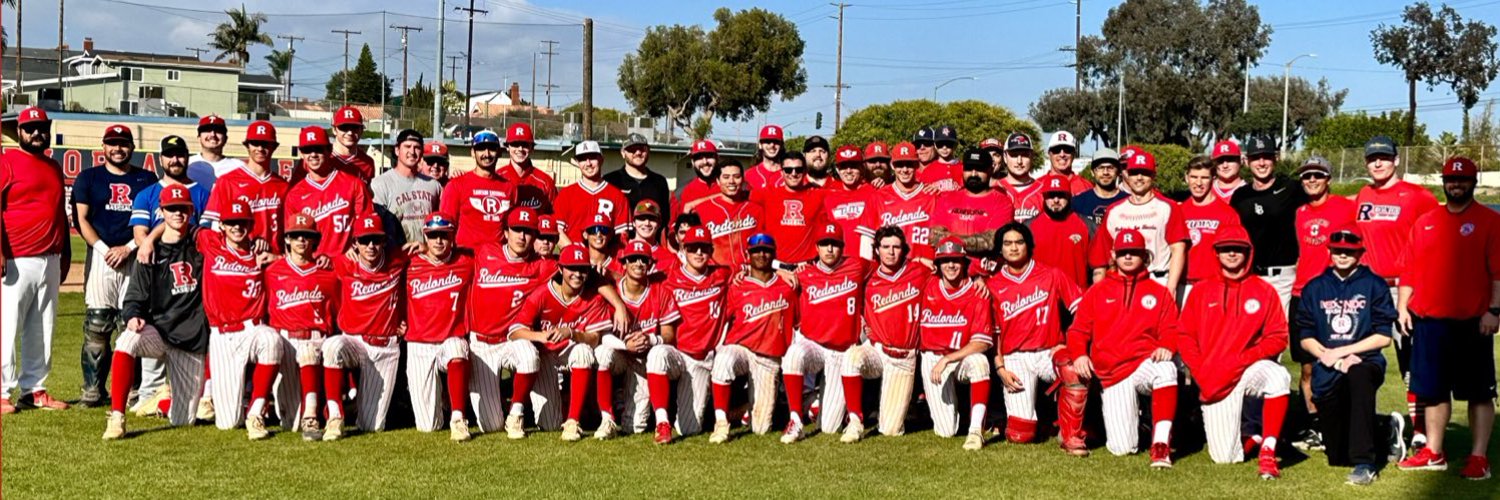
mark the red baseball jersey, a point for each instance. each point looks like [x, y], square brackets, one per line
[1385, 218]
[1314, 224]
[1076, 182]
[761, 176]
[652, 309]
[1158, 220]
[964, 213]
[951, 319]
[371, 301]
[361, 165]
[1028, 307]
[534, 188]
[700, 301]
[893, 304]
[854, 210]
[437, 294]
[763, 315]
[945, 175]
[479, 204]
[1233, 324]
[1064, 245]
[502, 281]
[912, 212]
[1454, 260]
[790, 216]
[1026, 198]
[696, 189]
[302, 299]
[1120, 322]
[233, 283]
[545, 309]
[577, 205]
[1204, 223]
[831, 302]
[31, 195]
[334, 205]
[731, 222]
[264, 194]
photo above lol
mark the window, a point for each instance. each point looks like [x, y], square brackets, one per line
[130, 107]
[174, 75]
[150, 92]
[131, 74]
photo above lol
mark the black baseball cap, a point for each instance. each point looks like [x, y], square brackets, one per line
[173, 145]
[1018, 142]
[924, 134]
[977, 159]
[815, 142]
[946, 133]
[1259, 146]
[409, 135]
[1380, 145]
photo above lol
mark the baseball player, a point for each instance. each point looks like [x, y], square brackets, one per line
[334, 199]
[942, 169]
[704, 157]
[435, 161]
[234, 298]
[405, 196]
[566, 319]
[892, 304]
[1092, 204]
[646, 224]
[348, 128]
[303, 299]
[437, 284]
[534, 188]
[101, 210]
[771, 149]
[1158, 219]
[851, 201]
[1062, 236]
[761, 314]
[698, 288]
[1062, 149]
[1227, 159]
[1449, 306]
[34, 248]
[370, 317]
[1125, 333]
[600, 241]
[635, 178]
[1206, 216]
[504, 274]
[1268, 212]
[479, 199]
[1018, 185]
[793, 210]
[210, 163]
[926, 149]
[578, 203]
[1320, 217]
[830, 302]
[547, 237]
[1029, 297]
[655, 314]
[1230, 341]
[955, 326]
[877, 164]
[816, 149]
[255, 184]
[974, 213]
[907, 204]
[167, 320]
[730, 216]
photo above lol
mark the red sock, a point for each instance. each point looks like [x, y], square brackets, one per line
[1417, 411]
[578, 392]
[261, 379]
[721, 397]
[208, 373]
[794, 385]
[659, 388]
[122, 375]
[1164, 404]
[521, 388]
[333, 386]
[458, 384]
[854, 392]
[979, 392]
[1272, 415]
[310, 383]
[604, 394]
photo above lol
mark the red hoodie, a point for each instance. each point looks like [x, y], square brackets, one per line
[1234, 322]
[1121, 320]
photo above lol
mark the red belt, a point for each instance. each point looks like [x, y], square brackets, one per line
[491, 339]
[236, 327]
[896, 353]
[378, 340]
[302, 334]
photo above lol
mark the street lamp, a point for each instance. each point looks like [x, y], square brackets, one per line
[1286, 93]
[941, 85]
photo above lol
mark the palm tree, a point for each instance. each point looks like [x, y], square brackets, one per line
[234, 37]
[5, 37]
[279, 62]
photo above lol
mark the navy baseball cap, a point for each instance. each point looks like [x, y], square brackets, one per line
[947, 134]
[409, 135]
[1259, 146]
[486, 137]
[1018, 142]
[761, 240]
[1380, 145]
[924, 134]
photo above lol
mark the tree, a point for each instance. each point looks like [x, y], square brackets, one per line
[1352, 130]
[1307, 106]
[366, 85]
[1473, 65]
[1087, 114]
[663, 78]
[897, 121]
[1419, 47]
[279, 61]
[4, 36]
[233, 38]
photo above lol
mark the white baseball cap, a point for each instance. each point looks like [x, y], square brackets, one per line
[1062, 138]
[587, 148]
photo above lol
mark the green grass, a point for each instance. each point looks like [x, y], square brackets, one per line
[57, 454]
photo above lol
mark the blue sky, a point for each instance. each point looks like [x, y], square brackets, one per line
[892, 49]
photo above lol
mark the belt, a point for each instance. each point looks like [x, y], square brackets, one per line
[378, 340]
[1158, 274]
[235, 327]
[896, 353]
[302, 334]
[1274, 270]
[490, 339]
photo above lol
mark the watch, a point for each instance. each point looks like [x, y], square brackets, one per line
[1495, 311]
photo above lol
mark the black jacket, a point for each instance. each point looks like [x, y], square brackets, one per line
[167, 293]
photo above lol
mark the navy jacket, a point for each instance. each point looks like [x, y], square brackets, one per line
[1339, 312]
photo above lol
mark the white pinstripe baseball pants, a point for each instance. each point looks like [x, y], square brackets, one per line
[1221, 419]
[1122, 410]
[869, 361]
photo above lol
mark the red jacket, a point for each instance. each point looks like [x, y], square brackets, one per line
[1234, 322]
[1121, 321]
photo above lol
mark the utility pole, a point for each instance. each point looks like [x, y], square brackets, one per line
[437, 96]
[20, 73]
[469, 65]
[345, 79]
[291, 52]
[838, 79]
[404, 31]
[588, 78]
[533, 87]
[1077, 41]
[453, 66]
[197, 52]
[60, 53]
[1246, 107]
[550, 45]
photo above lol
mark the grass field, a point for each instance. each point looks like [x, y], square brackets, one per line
[59, 454]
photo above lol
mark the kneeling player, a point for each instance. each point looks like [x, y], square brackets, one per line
[698, 288]
[504, 273]
[762, 311]
[303, 298]
[437, 282]
[955, 325]
[1126, 332]
[567, 318]
[893, 301]
[829, 303]
[1230, 340]
[656, 318]
[370, 314]
[1028, 297]
[234, 297]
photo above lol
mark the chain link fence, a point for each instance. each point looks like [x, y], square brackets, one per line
[1419, 163]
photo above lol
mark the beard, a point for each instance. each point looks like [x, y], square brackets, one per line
[976, 185]
[819, 173]
[1460, 196]
[706, 178]
[1058, 214]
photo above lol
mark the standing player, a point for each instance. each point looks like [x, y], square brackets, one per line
[234, 298]
[907, 205]
[730, 216]
[698, 288]
[973, 214]
[534, 188]
[851, 201]
[922, 142]
[1018, 185]
[1450, 307]
[1092, 204]
[334, 199]
[210, 162]
[892, 306]
[578, 203]
[1062, 237]
[167, 321]
[504, 273]
[1230, 341]
[955, 326]
[1323, 214]
[1268, 211]
[830, 304]
[1157, 219]
[370, 317]
[1029, 298]
[303, 298]
[35, 250]
[257, 186]
[704, 157]
[566, 318]
[101, 209]
[761, 315]
[348, 128]
[435, 161]
[943, 170]
[772, 147]
[816, 150]
[655, 314]
[793, 209]
[1206, 216]
[479, 200]
[636, 179]
[1226, 158]
[1125, 333]
[877, 164]
[405, 196]
[437, 284]
[1062, 149]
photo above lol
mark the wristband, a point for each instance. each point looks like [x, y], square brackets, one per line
[100, 246]
[132, 246]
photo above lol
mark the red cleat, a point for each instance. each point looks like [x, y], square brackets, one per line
[1161, 455]
[1424, 459]
[1476, 468]
[1268, 467]
[663, 433]
[43, 401]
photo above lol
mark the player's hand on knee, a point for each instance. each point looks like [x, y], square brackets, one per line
[1009, 379]
[135, 324]
[1083, 367]
[937, 370]
[1329, 358]
[1161, 354]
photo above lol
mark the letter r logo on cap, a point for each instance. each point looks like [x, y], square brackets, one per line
[1223, 148]
[524, 216]
[1128, 238]
[260, 129]
[1140, 159]
[348, 113]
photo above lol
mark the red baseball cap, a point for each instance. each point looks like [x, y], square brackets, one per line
[212, 122]
[1129, 239]
[237, 211]
[847, 153]
[118, 132]
[877, 149]
[368, 225]
[698, 235]
[949, 248]
[348, 115]
[262, 131]
[176, 195]
[703, 147]
[636, 248]
[991, 144]
[522, 218]
[546, 225]
[1458, 166]
[302, 223]
[1226, 149]
[830, 231]
[519, 133]
[1141, 160]
[312, 136]
[32, 114]
[771, 133]
[1053, 183]
[601, 220]
[1346, 239]
[574, 255]
[904, 151]
[1234, 236]
[434, 149]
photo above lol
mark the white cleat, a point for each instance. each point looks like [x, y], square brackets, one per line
[515, 427]
[571, 431]
[607, 429]
[853, 432]
[114, 427]
[458, 430]
[721, 432]
[974, 442]
[206, 409]
[334, 430]
[793, 433]
[255, 428]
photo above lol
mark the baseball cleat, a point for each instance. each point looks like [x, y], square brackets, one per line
[1251, 444]
[1268, 468]
[91, 398]
[853, 432]
[1397, 439]
[721, 432]
[255, 427]
[1311, 441]
[1424, 459]
[151, 407]
[6, 408]
[206, 409]
[114, 427]
[1362, 475]
[607, 429]
[663, 433]
[310, 429]
[1476, 468]
[793, 433]
[975, 441]
[42, 401]
[458, 430]
[571, 431]
[515, 426]
[1161, 455]
[335, 429]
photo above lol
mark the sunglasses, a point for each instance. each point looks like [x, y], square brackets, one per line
[759, 250]
[596, 231]
[260, 144]
[793, 170]
[370, 240]
[300, 237]
[349, 129]
[847, 166]
[1346, 237]
[923, 144]
[1061, 150]
[636, 259]
[178, 209]
[703, 249]
[949, 145]
[1314, 175]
